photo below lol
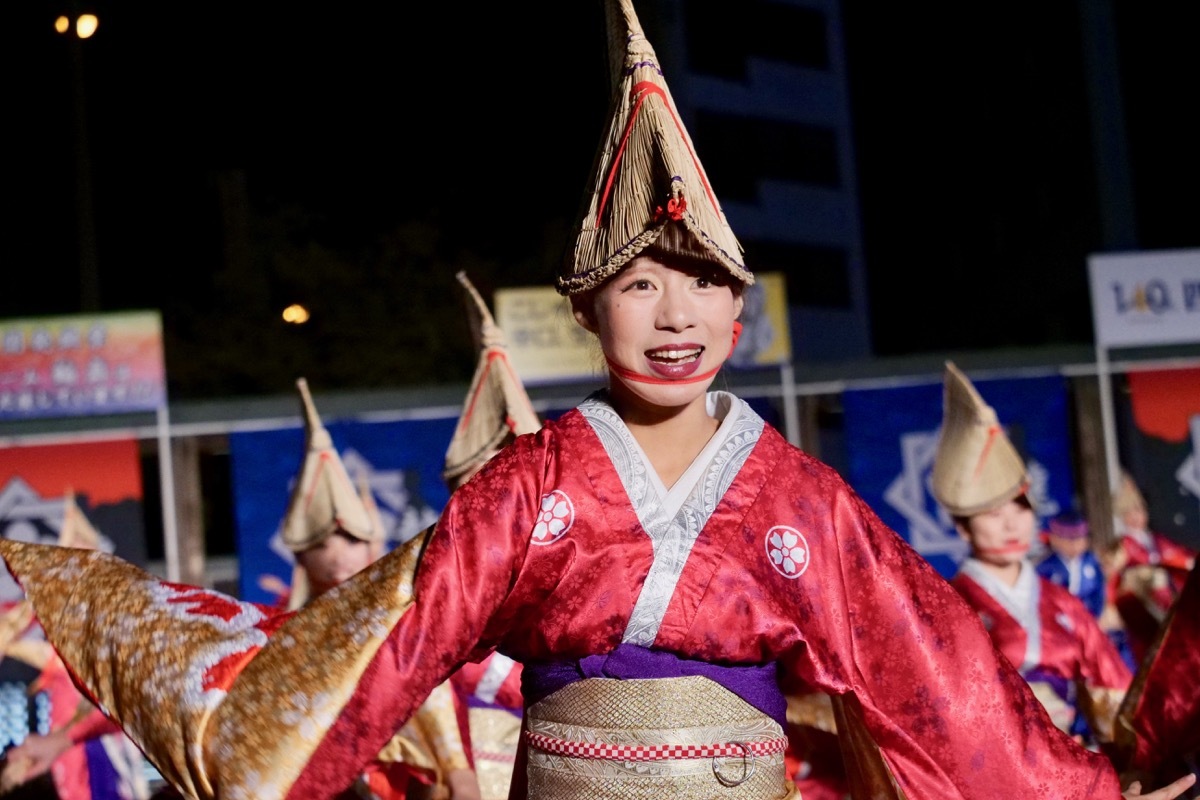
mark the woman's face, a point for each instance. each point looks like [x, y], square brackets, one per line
[1002, 536]
[665, 324]
[1135, 518]
[337, 557]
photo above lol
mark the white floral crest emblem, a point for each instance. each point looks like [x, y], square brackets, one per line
[554, 519]
[787, 551]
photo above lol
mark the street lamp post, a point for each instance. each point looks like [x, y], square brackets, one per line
[77, 26]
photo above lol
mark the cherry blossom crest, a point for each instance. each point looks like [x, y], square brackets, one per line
[555, 517]
[787, 551]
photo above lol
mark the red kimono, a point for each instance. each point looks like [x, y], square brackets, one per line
[1148, 584]
[1159, 723]
[549, 554]
[1055, 643]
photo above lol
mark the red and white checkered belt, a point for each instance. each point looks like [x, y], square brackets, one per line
[654, 752]
[489, 755]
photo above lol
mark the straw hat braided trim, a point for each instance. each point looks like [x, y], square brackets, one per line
[1020, 488]
[586, 281]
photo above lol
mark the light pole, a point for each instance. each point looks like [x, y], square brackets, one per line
[77, 26]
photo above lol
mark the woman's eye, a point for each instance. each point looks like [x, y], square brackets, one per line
[703, 283]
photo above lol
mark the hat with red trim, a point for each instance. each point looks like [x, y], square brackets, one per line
[323, 498]
[976, 468]
[648, 186]
[497, 408]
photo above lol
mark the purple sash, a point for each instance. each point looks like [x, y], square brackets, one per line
[756, 685]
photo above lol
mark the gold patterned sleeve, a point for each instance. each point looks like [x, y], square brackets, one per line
[227, 699]
[1100, 705]
[432, 740]
[1103, 678]
[438, 718]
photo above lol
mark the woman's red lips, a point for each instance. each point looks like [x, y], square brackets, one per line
[675, 361]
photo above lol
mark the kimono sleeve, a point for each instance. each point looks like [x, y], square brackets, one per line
[469, 564]
[940, 707]
[1158, 725]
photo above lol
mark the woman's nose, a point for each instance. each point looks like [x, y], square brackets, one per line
[675, 311]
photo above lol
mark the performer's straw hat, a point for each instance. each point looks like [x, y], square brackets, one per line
[976, 468]
[76, 531]
[323, 500]
[1128, 497]
[649, 187]
[496, 408]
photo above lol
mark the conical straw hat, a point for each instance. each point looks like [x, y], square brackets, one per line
[324, 498]
[649, 187]
[976, 467]
[497, 407]
[76, 531]
[1128, 497]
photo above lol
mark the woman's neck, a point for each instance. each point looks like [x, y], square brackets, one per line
[671, 437]
[1005, 573]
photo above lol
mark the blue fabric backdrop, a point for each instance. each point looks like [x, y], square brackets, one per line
[403, 462]
[891, 436]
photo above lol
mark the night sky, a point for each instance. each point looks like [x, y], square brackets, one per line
[975, 164]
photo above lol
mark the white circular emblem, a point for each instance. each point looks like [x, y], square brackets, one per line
[554, 519]
[787, 551]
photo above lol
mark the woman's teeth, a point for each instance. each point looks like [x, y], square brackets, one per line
[676, 356]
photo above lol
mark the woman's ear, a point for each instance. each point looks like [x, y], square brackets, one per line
[963, 531]
[739, 302]
[584, 310]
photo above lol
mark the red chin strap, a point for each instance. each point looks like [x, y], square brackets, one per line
[1004, 551]
[626, 374]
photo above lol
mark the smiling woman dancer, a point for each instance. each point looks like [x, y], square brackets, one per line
[656, 558]
[1048, 634]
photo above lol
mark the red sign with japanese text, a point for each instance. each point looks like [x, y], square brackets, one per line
[81, 365]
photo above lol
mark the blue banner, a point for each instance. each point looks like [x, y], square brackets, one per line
[402, 461]
[891, 438]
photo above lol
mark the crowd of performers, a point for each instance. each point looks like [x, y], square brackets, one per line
[652, 595]
[460, 744]
[1076, 624]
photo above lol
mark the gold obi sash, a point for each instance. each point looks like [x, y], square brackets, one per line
[647, 739]
[495, 736]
